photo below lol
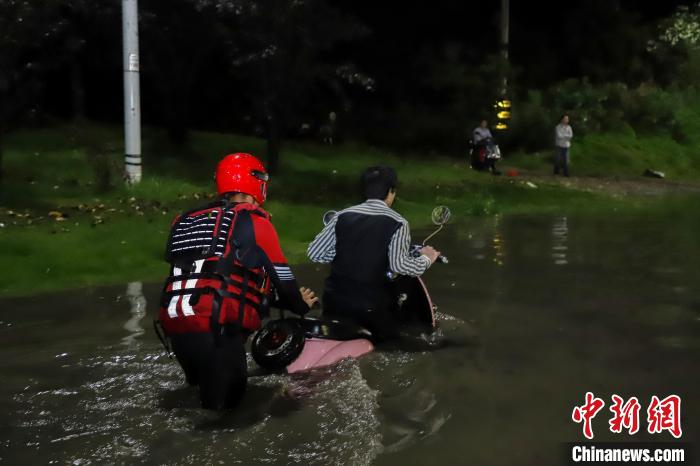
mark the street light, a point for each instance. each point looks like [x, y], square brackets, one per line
[503, 109]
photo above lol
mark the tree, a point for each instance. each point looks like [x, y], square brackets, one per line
[677, 46]
[280, 48]
[179, 37]
[605, 42]
[80, 25]
[25, 31]
[682, 28]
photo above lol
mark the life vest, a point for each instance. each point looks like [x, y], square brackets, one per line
[216, 276]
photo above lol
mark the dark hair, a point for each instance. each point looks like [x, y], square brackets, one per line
[377, 182]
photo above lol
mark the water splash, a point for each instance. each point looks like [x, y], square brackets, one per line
[132, 405]
[137, 307]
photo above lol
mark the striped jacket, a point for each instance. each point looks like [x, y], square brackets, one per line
[323, 248]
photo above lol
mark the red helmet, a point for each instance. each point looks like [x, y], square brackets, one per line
[242, 173]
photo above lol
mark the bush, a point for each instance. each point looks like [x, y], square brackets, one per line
[531, 126]
[105, 167]
[611, 107]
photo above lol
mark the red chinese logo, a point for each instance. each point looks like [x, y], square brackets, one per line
[624, 415]
[661, 415]
[587, 412]
[665, 415]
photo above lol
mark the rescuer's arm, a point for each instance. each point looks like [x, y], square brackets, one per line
[289, 295]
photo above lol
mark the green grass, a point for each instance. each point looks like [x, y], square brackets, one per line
[625, 154]
[116, 235]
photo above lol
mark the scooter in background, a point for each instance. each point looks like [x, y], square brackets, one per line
[484, 155]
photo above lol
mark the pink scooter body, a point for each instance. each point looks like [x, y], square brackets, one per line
[431, 306]
[318, 352]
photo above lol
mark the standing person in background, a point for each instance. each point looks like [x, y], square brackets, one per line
[481, 132]
[562, 142]
[327, 131]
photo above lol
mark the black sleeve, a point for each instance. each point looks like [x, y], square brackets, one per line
[286, 289]
[276, 266]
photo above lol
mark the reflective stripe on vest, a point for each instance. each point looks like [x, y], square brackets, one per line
[184, 300]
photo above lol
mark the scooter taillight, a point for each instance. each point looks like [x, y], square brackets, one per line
[277, 338]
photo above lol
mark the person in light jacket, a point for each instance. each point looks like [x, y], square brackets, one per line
[562, 142]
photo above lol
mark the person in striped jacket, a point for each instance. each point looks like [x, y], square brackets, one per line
[363, 243]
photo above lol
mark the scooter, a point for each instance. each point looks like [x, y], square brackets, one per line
[299, 344]
[484, 155]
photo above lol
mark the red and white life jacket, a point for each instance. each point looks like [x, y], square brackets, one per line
[217, 269]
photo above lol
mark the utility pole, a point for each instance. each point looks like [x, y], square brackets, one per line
[505, 25]
[132, 93]
[503, 104]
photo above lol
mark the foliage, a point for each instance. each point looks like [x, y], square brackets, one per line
[682, 28]
[270, 68]
[676, 48]
[280, 50]
[453, 96]
[611, 107]
[605, 42]
[174, 56]
[25, 29]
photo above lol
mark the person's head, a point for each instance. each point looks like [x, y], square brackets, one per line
[565, 119]
[484, 124]
[379, 183]
[242, 177]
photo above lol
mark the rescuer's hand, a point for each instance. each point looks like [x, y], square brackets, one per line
[308, 296]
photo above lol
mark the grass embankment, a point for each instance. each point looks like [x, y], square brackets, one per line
[60, 229]
[627, 154]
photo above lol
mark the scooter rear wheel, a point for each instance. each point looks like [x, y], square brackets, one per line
[278, 344]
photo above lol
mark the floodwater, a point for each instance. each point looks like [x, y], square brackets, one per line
[534, 312]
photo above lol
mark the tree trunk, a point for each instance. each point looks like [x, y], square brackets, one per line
[2, 172]
[505, 27]
[176, 95]
[177, 119]
[273, 143]
[3, 119]
[2, 134]
[78, 90]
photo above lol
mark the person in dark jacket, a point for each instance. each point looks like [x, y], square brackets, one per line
[362, 243]
[226, 268]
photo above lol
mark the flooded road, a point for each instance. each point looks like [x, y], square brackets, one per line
[534, 311]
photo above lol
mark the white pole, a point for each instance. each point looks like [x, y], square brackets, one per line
[132, 98]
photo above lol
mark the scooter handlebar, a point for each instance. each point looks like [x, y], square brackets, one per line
[415, 252]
